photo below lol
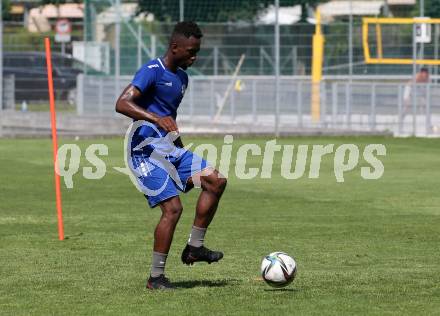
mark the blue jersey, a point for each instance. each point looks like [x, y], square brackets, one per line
[162, 91]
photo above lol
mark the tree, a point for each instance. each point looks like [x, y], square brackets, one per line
[432, 8]
[218, 11]
[6, 7]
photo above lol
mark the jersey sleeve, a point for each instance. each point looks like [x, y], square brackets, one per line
[144, 78]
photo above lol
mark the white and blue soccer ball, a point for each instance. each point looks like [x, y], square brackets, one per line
[278, 269]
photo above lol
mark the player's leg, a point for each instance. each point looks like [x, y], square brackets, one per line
[213, 186]
[163, 236]
[195, 171]
[160, 191]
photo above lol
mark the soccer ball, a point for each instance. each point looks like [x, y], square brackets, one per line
[278, 269]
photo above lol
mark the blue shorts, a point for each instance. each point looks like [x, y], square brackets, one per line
[161, 179]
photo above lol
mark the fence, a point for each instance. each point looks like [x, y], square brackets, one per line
[364, 105]
[224, 43]
[112, 41]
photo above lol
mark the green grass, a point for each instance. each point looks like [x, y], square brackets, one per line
[362, 246]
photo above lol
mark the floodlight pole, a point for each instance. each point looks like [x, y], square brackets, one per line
[117, 46]
[350, 43]
[436, 56]
[422, 14]
[1, 69]
[350, 62]
[117, 37]
[277, 68]
[181, 10]
[386, 9]
[86, 30]
[414, 83]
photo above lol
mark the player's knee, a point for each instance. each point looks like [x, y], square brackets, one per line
[222, 183]
[173, 213]
[219, 186]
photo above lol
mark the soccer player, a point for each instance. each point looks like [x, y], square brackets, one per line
[154, 96]
[421, 77]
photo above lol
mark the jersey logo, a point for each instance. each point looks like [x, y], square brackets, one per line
[153, 66]
[169, 84]
[183, 89]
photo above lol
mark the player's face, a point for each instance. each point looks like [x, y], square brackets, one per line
[186, 50]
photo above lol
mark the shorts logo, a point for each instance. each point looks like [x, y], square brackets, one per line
[159, 155]
[145, 168]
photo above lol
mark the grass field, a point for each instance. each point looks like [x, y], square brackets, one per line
[362, 246]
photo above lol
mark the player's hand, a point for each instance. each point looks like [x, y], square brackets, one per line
[167, 123]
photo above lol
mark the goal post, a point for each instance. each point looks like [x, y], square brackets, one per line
[380, 52]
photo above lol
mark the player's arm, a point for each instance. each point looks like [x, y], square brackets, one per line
[127, 105]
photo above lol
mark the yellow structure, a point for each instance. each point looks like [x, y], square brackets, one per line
[317, 61]
[378, 22]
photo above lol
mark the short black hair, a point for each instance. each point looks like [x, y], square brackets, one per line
[187, 29]
[424, 69]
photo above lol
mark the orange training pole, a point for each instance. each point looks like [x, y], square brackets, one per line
[54, 139]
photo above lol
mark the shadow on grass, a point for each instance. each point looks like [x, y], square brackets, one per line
[281, 290]
[73, 236]
[202, 283]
